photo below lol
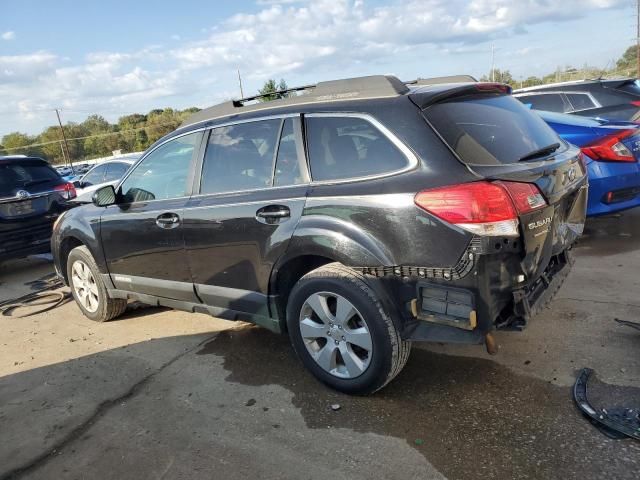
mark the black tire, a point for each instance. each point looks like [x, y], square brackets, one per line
[389, 353]
[108, 308]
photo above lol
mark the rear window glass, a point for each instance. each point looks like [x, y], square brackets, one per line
[24, 174]
[349, 147]
[631, 87]
[490, 130]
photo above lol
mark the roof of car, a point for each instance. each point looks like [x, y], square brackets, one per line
[358, 88]
[584, 81]
[9, 158]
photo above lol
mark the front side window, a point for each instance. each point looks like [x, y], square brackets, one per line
[115, 171]
[349, 147]
[163, 173]
[95, 176]
[240, 157]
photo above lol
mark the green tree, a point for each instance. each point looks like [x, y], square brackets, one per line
[628, 61]
[17, 143]
[270, 88]
[499, 76]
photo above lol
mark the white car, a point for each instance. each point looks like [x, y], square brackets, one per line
[105, 173]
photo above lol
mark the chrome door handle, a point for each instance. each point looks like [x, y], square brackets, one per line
[282, 213]
[168, 220]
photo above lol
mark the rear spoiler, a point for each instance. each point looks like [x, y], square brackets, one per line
[427, 97]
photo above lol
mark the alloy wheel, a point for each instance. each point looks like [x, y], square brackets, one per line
[84, 285]
[335, 335]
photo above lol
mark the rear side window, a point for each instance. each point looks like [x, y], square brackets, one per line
[289, 170]
[349, 147]
[580, 101]
[490, 130]
[23, 174]
[549, 102]
[240, 157]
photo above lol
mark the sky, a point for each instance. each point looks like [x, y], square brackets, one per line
[120, 57]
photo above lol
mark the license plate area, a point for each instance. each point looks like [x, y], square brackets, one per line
[23, 207]
[446, 305]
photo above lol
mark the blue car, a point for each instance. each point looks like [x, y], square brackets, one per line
[611, 152]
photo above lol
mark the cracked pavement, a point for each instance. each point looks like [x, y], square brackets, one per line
[165, 394]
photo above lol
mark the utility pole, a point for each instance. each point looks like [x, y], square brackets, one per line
[637, 38]
[493, 61]
[64, 138]
[240, 81]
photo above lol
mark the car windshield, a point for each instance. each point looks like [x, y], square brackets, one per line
[16, 175]
[490, 129]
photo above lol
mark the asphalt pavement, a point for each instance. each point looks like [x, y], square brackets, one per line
[166, 394]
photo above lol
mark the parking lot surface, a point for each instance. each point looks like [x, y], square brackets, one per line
[166, 394]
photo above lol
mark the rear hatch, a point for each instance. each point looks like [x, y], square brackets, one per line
[499, 139]
[32, 194]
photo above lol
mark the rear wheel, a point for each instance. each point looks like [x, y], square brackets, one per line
[342, 333]
[88, 289]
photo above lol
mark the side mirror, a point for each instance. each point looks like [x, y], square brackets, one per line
[105, 196]
[77, 184]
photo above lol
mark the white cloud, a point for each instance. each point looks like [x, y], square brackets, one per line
[10, 35]
[293, 39]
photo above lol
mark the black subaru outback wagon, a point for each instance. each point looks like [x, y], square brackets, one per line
[358, 216]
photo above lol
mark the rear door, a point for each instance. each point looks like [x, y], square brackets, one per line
[251, 194]
[142, 236]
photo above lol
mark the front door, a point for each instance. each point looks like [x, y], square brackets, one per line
[251, 196]
[142, 235]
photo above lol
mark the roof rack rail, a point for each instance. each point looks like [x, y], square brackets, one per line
[445, 79]
[348, 89]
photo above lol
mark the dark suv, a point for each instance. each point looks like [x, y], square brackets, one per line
[358, 216]
[32, 196]
[610, 99]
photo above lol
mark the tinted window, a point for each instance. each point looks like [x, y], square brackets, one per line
[163, 173]
[580, 101]
[490, 130]
[632, 87]
[240, 157]
[288, 171]
[95, 176]
[349, 147]
[550, 102]
[115, 171]
[23, 174]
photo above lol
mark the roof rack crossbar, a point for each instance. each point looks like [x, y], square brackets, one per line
[279, 93]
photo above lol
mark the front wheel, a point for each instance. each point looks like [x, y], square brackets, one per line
[88, 289]
[342, 333]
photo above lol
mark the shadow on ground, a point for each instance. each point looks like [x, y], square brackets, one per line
[467, 416]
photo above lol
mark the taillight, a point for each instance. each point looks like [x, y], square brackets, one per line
[66, 190]
[636, 103]
[610, 147]
[483, 208]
